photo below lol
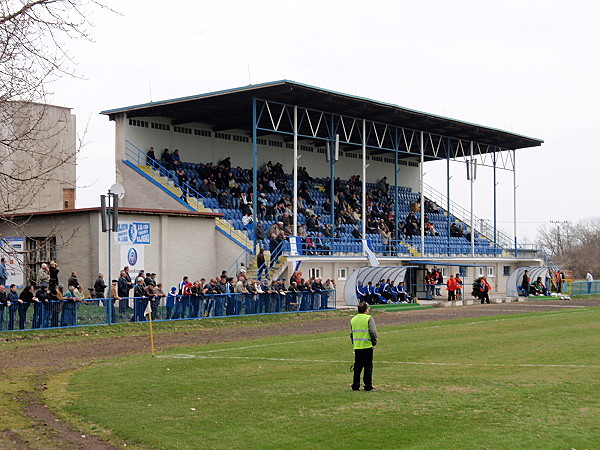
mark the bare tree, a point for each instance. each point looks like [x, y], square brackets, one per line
[574, 247]
[34, 36]
[34, 154]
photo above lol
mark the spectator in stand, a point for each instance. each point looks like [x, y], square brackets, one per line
[259, 231]
[166, 159]
[182, 181]
[356, 233]
[151, 158]
[175, 156]
[203, 189]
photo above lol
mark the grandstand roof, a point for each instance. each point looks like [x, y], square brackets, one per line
[231, 109]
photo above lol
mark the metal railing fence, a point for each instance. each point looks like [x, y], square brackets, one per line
[63, 314]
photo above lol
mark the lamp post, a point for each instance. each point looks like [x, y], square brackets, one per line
[109, 214]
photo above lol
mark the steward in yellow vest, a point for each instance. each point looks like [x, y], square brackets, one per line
[364, 338]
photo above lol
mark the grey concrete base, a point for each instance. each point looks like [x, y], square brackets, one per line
[457, 303]
[444, 304]
[521, 299]
[496, 300]
[467, 302]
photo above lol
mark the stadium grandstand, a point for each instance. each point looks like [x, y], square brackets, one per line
[321, 181]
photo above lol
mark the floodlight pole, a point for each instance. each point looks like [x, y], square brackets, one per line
[109, 202]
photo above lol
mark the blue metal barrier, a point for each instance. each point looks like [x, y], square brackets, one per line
[63, 314]
[583, 288]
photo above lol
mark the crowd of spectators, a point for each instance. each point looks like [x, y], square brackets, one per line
[55, 306]
[222, 182]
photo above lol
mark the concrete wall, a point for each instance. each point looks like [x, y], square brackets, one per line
[39, 137]
[180, 245]
[329, 269]
[142, 193]
[194, 148]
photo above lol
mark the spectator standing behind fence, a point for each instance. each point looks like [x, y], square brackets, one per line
[53, 270]
[4, 303]
[100, 286]
[139, 292]
[13, 297]
[170, 303]
[3, 272]
[590, 279]
[73, 281]
[122, 292]
[43, 275]
[69, 312]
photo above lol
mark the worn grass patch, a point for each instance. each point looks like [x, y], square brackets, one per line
[527, 381]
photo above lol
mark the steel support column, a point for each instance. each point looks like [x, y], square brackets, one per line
[472, 167]
[332, 176]
[254, 168]
[515, 200]
[422, 188]
[364, 179]
[396, 221]
[448, 192]
[495, 156]
[295, 170]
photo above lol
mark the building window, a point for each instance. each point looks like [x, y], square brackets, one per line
[342, 273]
[38, 250]
[490, 271]
[481, 271]
[506, 271]
[315, 272]
[68, 198]
[462, 270]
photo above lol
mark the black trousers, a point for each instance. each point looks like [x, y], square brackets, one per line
[363, 359]
[485, 298]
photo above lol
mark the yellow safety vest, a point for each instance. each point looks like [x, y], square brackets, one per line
[361, 338]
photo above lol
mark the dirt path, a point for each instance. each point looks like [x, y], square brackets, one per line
[50, 358]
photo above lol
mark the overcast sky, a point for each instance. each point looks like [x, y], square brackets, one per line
[529, 67]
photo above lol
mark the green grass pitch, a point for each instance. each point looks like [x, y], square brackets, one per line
[524, 381]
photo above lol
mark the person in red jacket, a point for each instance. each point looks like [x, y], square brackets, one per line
[484, 287]
[451, 288]
[459, 286]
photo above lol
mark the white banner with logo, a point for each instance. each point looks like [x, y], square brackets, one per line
[132, 256]
[133, 233]
[12, 248]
